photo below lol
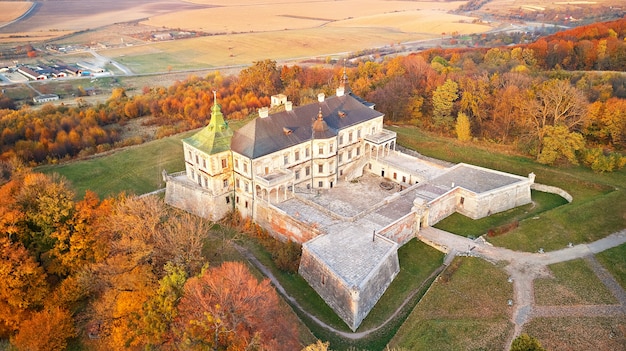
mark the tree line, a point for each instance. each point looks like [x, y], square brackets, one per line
[559, 99]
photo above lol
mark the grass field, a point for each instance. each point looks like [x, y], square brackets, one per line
[614, 261]
[465, 309]
[224, 50]
[574, 283]
[579, 334]
[134, 170]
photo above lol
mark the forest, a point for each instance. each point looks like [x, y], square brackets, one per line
[130, 272]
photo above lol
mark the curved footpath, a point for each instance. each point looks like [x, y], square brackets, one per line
[523, 268]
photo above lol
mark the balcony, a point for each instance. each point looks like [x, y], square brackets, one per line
[275, 178]
[381, 137]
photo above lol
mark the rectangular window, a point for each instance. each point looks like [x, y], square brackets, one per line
[245, 167]
[320, 184]
[227, 199]
[237, 163]
[340, 157]
[286, 160]
[320, 168]
[297, 175]
[395, 175]
[350, 137]
[225, 183]
[307, 170]
[403, 179]
[204, 162]
[332, 146]
[224, 163]
[238, 184]
[341, 140]
[190, 156]
[247, 186]
[206, 182]
[237, 199]
[307, 152]
[358, 133]
[350, 155]
[358, 151]
[246, 203]
[297, 155]
[197, 159]
[321, 150]
[462, 200]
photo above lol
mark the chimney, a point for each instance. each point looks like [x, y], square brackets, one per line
[288, 106]
[320, 97]
[264, 112]
[341, 91]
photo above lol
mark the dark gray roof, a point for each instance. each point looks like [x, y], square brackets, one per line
[281, 130]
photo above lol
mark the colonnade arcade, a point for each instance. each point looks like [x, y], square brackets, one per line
[380, 144]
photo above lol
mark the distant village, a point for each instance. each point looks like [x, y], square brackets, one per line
[22, 73]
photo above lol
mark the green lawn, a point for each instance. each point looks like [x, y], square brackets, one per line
[466, 226]
[134, 169]
[465, 309]
[574, 283]
[614, 260]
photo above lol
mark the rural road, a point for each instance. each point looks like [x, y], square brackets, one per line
[523, 268]
[103, 60]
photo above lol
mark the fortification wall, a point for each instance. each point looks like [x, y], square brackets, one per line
[373, 288]
[190, 198]
[281, 225]
[402, 230]
[441, 208]
[330, 288]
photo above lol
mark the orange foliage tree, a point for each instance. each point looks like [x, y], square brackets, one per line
[227, 308]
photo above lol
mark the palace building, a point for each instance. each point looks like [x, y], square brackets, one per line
[327, 175]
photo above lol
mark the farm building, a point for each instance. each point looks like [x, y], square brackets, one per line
[45, 98]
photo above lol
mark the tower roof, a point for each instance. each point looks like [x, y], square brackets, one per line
[216, 136]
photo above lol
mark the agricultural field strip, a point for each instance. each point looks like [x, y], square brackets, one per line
[11, 10]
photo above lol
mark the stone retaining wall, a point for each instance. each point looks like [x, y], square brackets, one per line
[552, 190]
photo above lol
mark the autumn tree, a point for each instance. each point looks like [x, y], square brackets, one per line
[228, 308]
[556, 103]
[47, 202]
[160, 310]
[262, 78]
[443, 102]
[23, 287]
[48, 330]
[526, 342]
[79, 240]
[559, 143]
[463, 128]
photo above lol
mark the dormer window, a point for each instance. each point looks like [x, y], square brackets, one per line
[342, 114]
[287, 131]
